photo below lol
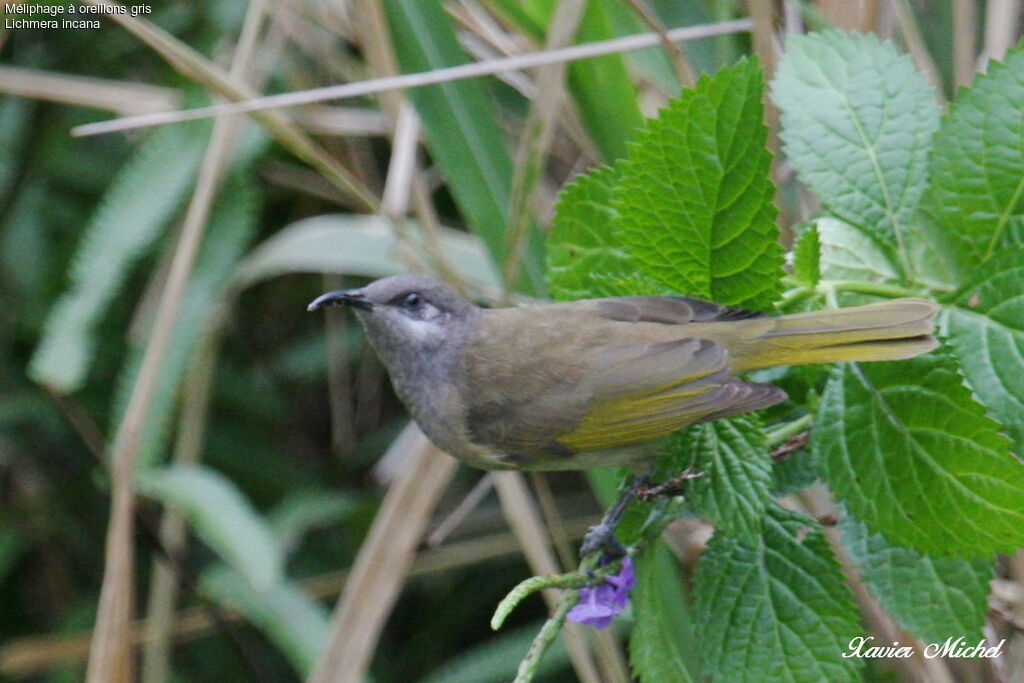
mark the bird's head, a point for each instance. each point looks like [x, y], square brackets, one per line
[405, 314]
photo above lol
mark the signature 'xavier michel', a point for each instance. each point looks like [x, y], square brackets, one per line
[583, 384]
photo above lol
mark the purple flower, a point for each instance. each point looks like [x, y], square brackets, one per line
[599, 604]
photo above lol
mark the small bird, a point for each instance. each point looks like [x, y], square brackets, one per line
[582, 384]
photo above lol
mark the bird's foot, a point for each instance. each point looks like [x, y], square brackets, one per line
[601, 537]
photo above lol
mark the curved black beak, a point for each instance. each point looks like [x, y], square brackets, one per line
[349, 297]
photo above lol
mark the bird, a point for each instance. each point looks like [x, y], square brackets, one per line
[597, 382]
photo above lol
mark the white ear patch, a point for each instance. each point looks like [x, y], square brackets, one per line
[429, 332]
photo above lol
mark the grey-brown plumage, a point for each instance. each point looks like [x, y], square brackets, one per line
[589, 383]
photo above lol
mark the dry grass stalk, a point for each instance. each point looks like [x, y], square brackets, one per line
[535, 138]
[818, 503]
[1002, 28]
[685, 72]
[164, 589]
[792, 21]
[406, 185]
[767, 48]
[485, 40]
[607, 643]
[851, 15]
[383, 563]
[466, 506]
[528, 528]
[344, 121]
[195, 66]
[249, 104]
[765, 44]
[402, 165]
[965, 25]
[302, 180]
[110, 659]
[378, 51]
[161, 622]
[912, 38]
[35, 655]
[122, 97]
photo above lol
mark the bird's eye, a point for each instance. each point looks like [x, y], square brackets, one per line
[412, 300]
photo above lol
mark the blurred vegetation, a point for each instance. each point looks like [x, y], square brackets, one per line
[288, 420]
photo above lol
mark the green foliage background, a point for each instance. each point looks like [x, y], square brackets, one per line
[907, 447]
[923, 456]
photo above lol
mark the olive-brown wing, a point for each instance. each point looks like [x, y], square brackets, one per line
[669, 310]
[643, 393]
[581, 379]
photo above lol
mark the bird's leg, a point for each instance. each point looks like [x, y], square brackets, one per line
[602, 535]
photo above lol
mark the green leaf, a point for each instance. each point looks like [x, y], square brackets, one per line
[986, 333]
[221, 517]
[695, 200]
[662, 630]
[602, 88]
[933, 597]
[978, 165]
[462, 128]
[311, 246]
[737, 479]
[290, 618]
[27, 256]
[848, 253]
[12, 547]
[798, 471]
[909, 451]
[15, 116]
[775, 607]
[231, 226]
[932, 254]
[527, 16]
[139, 203]
[807, 258]
[304, 510]
[856, 122]
[586, 257]
[652, 66]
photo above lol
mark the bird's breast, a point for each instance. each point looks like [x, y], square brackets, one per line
[441, 414]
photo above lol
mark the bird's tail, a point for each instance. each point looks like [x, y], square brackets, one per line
[889, 330]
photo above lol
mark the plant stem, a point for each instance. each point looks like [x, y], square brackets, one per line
[782, 434]
[546, 636]
[865, 287]
[572, 580]
[794, 296]
[828, 288]
[535, 140]
[665, 511]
